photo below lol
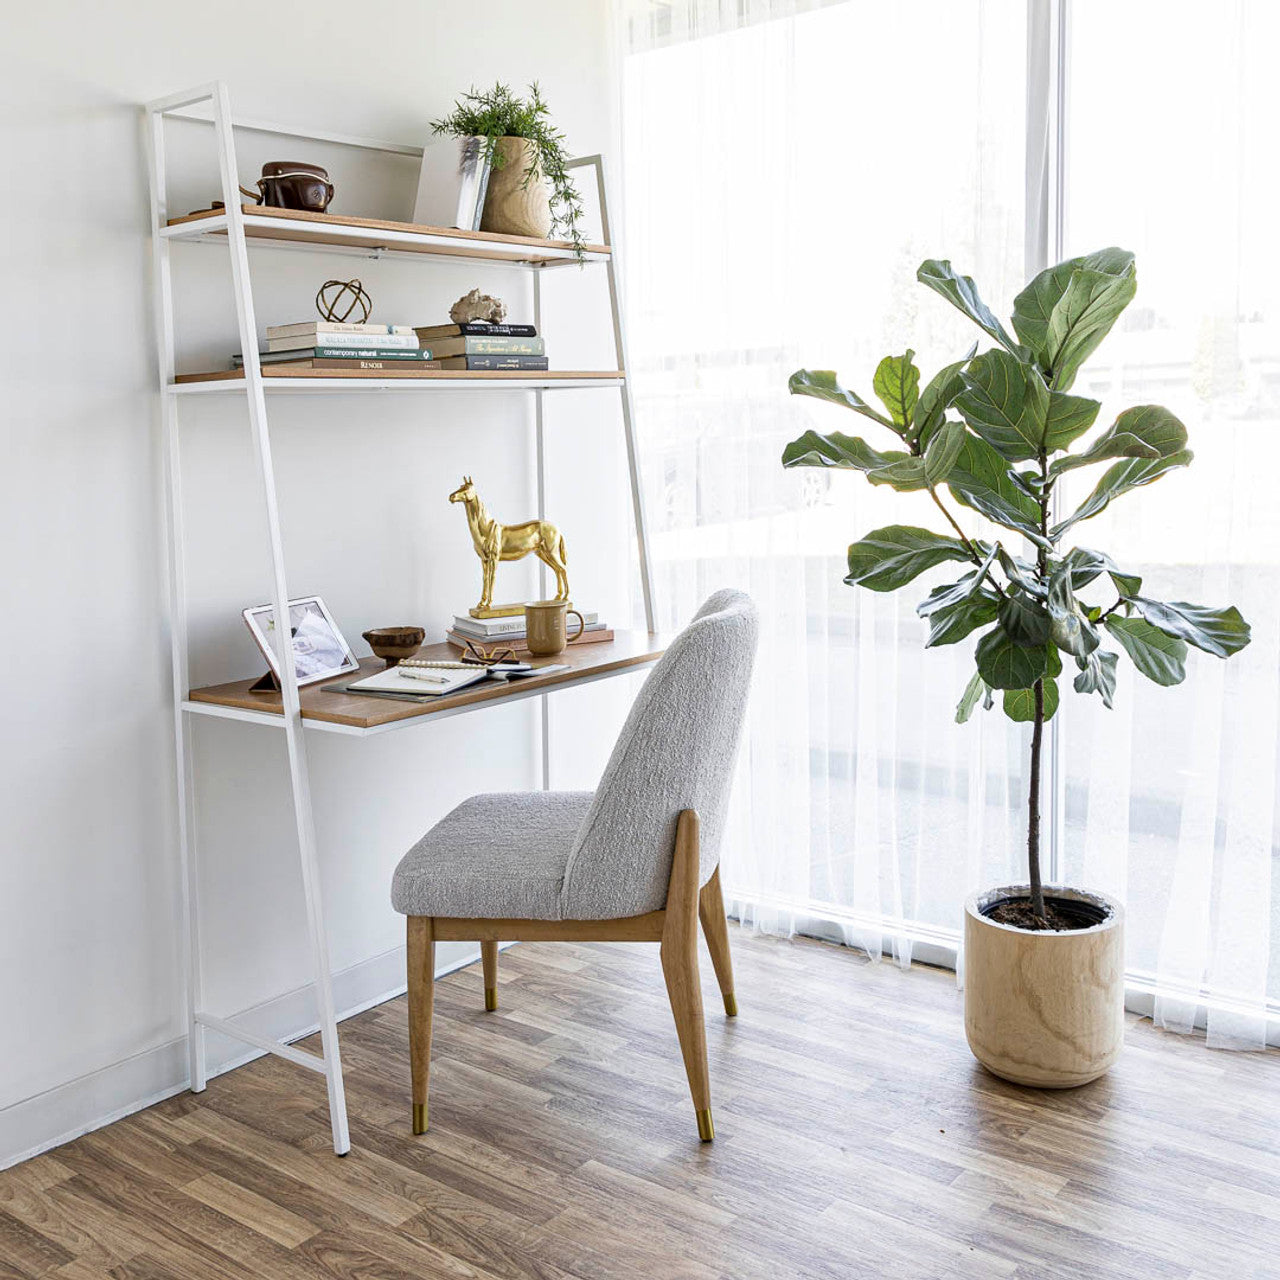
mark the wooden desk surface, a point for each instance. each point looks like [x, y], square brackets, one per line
[326, 701]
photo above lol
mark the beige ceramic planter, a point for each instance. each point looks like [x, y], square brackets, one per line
[511, 208]
[1044, 1009]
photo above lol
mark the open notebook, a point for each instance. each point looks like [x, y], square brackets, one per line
[447, 680]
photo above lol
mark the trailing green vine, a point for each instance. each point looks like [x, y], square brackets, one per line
[497, 113]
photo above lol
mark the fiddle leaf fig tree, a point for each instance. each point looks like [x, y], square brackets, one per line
[995, 432]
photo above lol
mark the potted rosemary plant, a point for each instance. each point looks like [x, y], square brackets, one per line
[530, 192]
[1044, 982]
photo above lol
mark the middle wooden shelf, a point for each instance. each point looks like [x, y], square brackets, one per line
[279, 378]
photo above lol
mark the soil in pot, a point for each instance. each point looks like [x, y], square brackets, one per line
[1064, 914]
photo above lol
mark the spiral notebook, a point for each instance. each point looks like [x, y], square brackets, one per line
[392, 681]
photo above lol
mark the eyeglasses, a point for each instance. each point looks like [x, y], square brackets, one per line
[478, 656]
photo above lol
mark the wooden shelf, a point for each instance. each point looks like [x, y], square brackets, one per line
[326, 706]
[326, 230]
[280, 379]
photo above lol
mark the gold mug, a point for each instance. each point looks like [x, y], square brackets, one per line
[546, 627]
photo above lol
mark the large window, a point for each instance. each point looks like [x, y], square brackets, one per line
[786, 168]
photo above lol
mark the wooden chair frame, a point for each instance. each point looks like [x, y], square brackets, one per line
[674, 928]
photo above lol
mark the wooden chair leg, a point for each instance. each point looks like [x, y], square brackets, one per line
[421, 948]
[716, 931]
[679, 951]
[489, 959]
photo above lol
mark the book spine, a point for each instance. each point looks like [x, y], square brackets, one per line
[499, 627]
[483, 628]
[366, 353]
[476, 328]
[531, 364]
[379, 363]
[459, 641]
[496, 345]
[332, 326]
[383, 341]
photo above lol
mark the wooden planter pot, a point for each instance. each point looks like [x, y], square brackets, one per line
[511, 208]
[1042, 1008]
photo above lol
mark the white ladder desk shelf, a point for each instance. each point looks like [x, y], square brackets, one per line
[238, 228]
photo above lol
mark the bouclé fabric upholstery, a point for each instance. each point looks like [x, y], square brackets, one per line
[574, 855]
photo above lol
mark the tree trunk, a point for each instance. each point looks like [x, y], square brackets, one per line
[1033, 807]
[1037, 730]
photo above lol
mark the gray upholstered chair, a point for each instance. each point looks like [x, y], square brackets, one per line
[636, 860]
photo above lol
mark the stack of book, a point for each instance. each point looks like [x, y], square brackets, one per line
[481, 345]
[509, 633]
[327, 344]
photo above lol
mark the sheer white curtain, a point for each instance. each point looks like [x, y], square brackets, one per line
[1171, 801]
[786, 167]
[781, 185]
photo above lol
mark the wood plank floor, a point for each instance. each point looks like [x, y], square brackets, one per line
[855, 1138]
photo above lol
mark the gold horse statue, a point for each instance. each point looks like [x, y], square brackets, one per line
[494, 542]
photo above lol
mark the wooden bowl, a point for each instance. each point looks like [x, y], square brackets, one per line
[393, 643]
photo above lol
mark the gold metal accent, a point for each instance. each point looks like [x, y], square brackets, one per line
[730, 1004]
[494, 542]
[490, 999]
[497, 611]
[706, 1130]
[419, 1117]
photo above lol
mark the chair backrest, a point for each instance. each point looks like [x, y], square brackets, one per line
[676, 751]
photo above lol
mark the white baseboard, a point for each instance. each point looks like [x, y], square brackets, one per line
[46, 1120]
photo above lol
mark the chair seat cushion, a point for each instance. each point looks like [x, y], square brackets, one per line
[495, 857]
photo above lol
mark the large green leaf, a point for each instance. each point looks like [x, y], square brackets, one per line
[1020, 704]
[980, 479]
[889, 558]
[1033, 308]
[974, 690]
[1145, 431]
[953, 622]
[1068, 629]
[1006, 665]
[1006, 403]
[1085, 565]
[821, 384]
[961, 292]
[1132, 473]
[849, 453]
[936, 399]
[1220, 632]
[945, 596]
[1158, 656]
[1034, 305]
[905, 475]
[942, 451]
[1069, 418]
[897, 383]
[1096, 292]
[1021, 571]
[1024, 619]
[1097, 675]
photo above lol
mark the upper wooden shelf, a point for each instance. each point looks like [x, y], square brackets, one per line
[327, 230]
[326, 706]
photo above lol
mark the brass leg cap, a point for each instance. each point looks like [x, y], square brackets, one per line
[419, 1117]
[490, 999]
[730, 1005]
[706, 1130]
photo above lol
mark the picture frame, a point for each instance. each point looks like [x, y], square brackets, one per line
[320, 650]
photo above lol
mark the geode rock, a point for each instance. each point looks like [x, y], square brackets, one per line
[478, 306]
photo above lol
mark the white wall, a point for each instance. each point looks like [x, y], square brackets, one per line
[90, 957]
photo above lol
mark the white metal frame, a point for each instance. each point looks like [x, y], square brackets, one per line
[210, 103]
